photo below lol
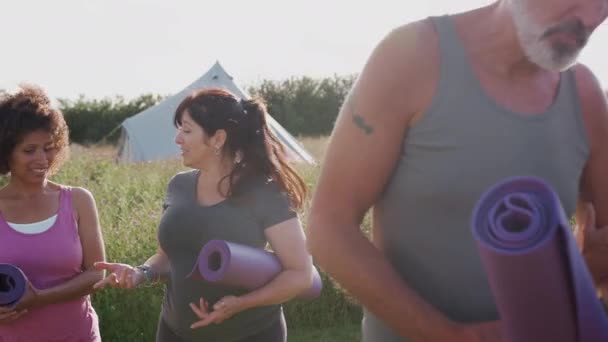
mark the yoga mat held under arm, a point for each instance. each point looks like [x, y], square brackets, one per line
[13, 284]
[242, 266]
[541, 284]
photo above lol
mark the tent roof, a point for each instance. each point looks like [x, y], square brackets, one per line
[150, 133]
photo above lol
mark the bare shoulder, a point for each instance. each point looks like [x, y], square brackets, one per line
[395, 85]
[85, 210]
[83, 202]
[401, 73]
[595, 116]
[80, 194]
[419, 40]
[589, 87]
[593, 105]
[416, 40]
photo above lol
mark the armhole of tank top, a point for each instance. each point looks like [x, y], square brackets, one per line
[69, 210]
[439, 24]
[578, 110]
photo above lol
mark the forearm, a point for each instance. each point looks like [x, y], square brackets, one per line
[285, 286]
[365, 273]
[77, 287]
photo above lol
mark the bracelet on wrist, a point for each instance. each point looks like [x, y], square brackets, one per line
[150, 276]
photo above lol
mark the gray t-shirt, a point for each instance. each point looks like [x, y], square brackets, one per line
[186, 226]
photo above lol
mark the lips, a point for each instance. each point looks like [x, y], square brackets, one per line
[571, 38]
[573, 31]
[40, 171]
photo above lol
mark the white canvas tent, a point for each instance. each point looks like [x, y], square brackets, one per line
[149, 135]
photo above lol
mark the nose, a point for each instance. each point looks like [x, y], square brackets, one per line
[42, 158]
[178, 138]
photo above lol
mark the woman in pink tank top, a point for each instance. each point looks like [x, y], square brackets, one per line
[50, 231]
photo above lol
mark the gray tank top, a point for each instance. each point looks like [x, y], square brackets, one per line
[464, 144]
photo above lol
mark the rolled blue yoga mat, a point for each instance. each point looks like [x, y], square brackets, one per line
[541, 284]
[240, 266]
[13, 284]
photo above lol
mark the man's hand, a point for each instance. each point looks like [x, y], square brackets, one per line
[593, 242]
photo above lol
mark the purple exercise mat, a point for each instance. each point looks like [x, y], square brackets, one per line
[245, 267]
[12, 284]
[541, 284]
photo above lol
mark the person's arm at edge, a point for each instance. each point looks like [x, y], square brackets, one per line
[364, 148]
[594, 179]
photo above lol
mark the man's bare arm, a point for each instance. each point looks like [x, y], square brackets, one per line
[594, 181]
[395, 85]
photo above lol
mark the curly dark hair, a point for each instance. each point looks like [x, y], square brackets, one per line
[26, 111]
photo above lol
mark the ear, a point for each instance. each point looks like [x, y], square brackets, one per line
[218, 139]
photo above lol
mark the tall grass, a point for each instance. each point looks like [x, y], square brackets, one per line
[316, 146]
[129, 199]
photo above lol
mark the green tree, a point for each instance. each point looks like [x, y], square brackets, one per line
[94, 121]
[304, 105]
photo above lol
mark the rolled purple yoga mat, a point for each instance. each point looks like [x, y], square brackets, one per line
[12, 284]
[240, 266]
[541, 284]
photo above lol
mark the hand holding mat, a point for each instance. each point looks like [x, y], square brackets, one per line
[13, 284]
[541, 285]
[242, 266]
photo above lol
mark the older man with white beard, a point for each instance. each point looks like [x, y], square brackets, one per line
[445, 108]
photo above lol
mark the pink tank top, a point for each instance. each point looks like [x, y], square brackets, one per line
[48, 259]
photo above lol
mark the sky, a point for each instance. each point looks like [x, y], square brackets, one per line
[102, 48]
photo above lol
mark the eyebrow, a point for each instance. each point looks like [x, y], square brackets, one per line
[49, 143]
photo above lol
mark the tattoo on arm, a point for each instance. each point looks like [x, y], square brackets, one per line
[358, 120]
[364, 126]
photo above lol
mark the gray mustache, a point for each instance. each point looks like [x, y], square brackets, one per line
[574, 27]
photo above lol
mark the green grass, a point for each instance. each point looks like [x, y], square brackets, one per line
[350, 333]
[129, 199]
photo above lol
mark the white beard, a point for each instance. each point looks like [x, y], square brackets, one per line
[539, 51]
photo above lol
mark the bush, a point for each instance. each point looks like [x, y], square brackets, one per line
[305, 106]
[95, 121]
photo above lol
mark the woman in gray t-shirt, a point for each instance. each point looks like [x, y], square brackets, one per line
[241, 189]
